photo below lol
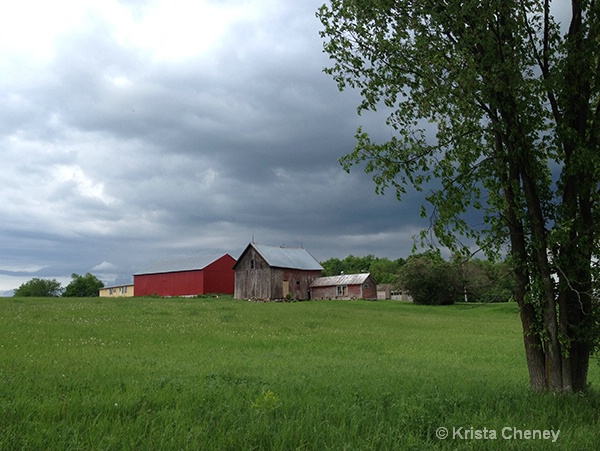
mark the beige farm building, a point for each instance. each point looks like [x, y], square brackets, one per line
[117, 291]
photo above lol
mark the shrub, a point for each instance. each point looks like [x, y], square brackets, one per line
[431, 280]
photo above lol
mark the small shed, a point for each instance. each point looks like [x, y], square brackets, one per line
[344, 286]
[188, 276]
[275, 272]
[388, 291]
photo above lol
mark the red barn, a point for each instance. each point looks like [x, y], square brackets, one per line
[344, 286]
[190, 276]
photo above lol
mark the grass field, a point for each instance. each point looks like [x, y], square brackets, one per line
[101, 374]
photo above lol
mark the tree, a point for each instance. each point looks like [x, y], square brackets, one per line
[36, 287]
[485, 280]
[383, 269]
[512, 95]
[332, 267]
[431, 280]
[83, 286]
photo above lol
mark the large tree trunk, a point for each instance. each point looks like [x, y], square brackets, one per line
[534, 353]
[557, 357]
[557, 332]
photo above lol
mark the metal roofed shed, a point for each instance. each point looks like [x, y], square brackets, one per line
[344, 286]
[342, 279]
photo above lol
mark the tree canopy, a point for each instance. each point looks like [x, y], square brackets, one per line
[83, 286]
[37, 287]
[382, 269]
[495, 109]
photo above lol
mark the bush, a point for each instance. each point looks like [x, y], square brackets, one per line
[431, 280]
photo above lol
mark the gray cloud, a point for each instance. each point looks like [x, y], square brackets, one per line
[113, 158]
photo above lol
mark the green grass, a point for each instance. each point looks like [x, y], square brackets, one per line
[95, 374]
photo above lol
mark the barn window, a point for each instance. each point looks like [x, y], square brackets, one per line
[252, 264]
[297, 284]
[342, 290]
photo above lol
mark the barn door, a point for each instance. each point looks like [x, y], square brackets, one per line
[286, 288]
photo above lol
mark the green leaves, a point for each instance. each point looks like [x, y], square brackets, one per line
[83, 286]
[469, 70]
[495, 113]
[37, 287]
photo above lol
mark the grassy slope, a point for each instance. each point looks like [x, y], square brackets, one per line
[224, 374]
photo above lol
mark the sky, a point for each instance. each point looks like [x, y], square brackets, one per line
[133, 131]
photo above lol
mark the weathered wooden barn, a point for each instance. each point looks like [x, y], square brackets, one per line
[271, 273]
[344, 286]
[190, 276]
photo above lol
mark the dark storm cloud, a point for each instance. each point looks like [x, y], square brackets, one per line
[117, 158]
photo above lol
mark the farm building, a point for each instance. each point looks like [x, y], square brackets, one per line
[190, 276]
[271, 272]
[387, 291]
[117, 291]
[344, 286]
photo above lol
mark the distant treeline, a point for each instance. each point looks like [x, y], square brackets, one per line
[383, 269]
[80, 286]
[431, 279]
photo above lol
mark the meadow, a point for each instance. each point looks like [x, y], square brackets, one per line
[208, 373]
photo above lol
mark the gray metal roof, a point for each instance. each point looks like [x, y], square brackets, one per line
[342, 279]
[130, 284]
[180, 264]
[288, 257]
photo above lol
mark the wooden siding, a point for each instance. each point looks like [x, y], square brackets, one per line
[255, 279]
[252, 277]
[298, 282]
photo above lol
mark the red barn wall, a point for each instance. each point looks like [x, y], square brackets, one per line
[183, 283]
[217, 277]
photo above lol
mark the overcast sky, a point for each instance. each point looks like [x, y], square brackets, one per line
[133, 131]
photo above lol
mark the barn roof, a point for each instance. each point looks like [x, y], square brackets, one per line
[287, 257]
[342, 279]
[180, 264]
